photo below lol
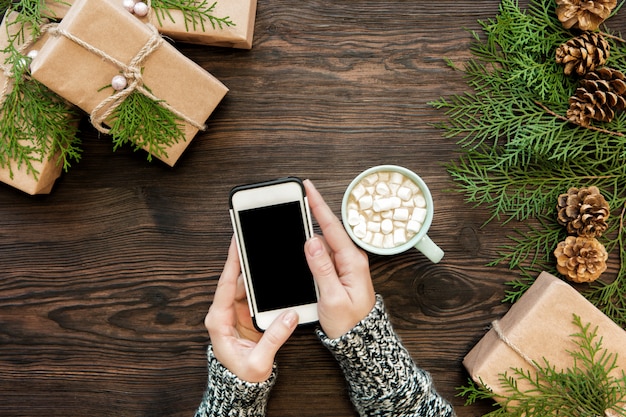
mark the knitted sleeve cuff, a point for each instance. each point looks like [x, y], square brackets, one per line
[380, 372]
[227, 395]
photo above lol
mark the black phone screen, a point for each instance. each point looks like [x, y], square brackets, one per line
[274, 238]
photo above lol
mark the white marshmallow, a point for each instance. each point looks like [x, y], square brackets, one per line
[388, 241]
[368, 237]
[387, 214]
[396, 178]
[395, 202]
[373, 227]
[399, 237]
[382, 189]
[360, 230]
[358, 191]
[382, 204]
[413, 226]
[404, 193]
[419, 200]
[386, 226]
[366, 202]
[419, 214]
[370, 179]
[401, 214]
[354, 217]
[377, 240]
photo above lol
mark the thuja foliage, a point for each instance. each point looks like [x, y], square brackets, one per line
[518, 152]
[35, 123]
[592, 386]
[197, 13]
[145, 124]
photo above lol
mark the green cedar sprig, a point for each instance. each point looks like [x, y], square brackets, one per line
[588, 388]
[518, 152]
[145, 124]
[196, 13]
[35, 123]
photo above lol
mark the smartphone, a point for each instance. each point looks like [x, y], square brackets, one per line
[272, 221]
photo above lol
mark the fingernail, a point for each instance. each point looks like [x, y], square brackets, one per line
[315, 246]
[290, 318]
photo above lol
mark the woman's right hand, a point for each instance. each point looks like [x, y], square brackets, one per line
[340, 269]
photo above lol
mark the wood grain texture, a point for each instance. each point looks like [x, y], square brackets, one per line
[105, 282]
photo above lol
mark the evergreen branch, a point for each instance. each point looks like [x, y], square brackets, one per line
[145, 124]
[35, 124]
[518, 152]
[195, 12]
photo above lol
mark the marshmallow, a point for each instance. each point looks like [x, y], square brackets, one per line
[354, 217]
[383, 189]
[404, 193]
[358, 191]
[382, 204]
[373, 227]
[420, 201]
[401, 214]
[386, 226]
[360, 230]
[370, 179]
[399, 236]
[419, 214]
[366, 202]
[396, 178]
[413, 226]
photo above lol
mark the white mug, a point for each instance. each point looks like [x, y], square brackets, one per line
[420, 240]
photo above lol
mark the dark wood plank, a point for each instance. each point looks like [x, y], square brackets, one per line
[104, 283]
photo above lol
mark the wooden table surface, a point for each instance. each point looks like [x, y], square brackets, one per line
[105, 282]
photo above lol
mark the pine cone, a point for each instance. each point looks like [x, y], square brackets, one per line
[584, 14]
[600, 96]
[583, 212]
[583, 53]
[581, 259]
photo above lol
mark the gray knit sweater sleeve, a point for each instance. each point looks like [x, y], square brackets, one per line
[227, 395]
[382, 378]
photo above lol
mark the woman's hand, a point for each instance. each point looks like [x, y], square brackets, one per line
[238, 346]
[340, 269]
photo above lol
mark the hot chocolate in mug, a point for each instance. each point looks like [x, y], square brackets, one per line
[388, 209]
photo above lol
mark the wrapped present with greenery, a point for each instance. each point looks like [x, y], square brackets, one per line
[553, 353]
[136, 87]
[37, 127]
[226, 23]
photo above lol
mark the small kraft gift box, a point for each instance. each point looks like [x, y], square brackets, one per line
[539, 328]
[96, 44]
[32, 160]
[225, 23]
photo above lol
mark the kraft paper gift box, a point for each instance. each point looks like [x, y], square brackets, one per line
[48, 167]
[87, 48]
[540, 326]
[171, 22]
[240, 35]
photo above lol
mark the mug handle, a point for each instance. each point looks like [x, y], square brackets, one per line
[430, 249]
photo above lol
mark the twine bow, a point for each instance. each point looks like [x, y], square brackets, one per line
[133, 74]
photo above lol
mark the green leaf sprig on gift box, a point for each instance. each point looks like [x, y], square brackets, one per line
[589, 388]
[545, 115]
[196, 12]
[35, 123]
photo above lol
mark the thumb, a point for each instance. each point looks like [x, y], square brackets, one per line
[276, 335]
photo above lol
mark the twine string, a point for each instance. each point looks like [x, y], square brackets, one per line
[496, 327]
[133, 74]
